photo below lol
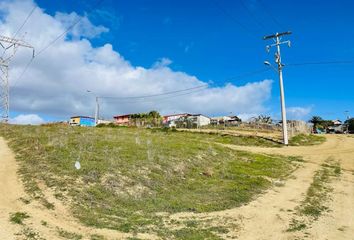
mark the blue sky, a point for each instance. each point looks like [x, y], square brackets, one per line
[205, 39]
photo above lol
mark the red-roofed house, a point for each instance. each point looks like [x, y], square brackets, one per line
[122, 119]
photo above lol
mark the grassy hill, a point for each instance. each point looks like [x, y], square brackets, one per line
[129, 176]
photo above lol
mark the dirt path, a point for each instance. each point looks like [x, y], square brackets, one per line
[267, 217]
[43, 223]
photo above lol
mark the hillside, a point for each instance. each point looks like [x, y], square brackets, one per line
[132, 180]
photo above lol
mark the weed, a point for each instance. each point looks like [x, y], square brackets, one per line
[195, 234]
[191, 224]
[29, 234]
[44, 223]
[18, 217]
[97, 237]
[306, 140]
[296, 225]
[69, 235]
[25, 200]
[47, 204]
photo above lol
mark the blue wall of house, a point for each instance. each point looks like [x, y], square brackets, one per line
[87, 122]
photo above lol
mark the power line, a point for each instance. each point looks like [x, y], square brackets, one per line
[99, 2]
[23, 72]
[248, 74]
[321, 63]
[231, 17]
[202, 87]
[155, 95]
[266, 10]
[158, 99]
[260, 24]
[23, 24]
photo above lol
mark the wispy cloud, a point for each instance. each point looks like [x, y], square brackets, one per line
[25, 119]
[298, 112]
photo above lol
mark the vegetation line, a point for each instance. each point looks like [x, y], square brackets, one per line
[317, 197]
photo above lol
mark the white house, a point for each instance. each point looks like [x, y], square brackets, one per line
[198, 120]
[170, 120]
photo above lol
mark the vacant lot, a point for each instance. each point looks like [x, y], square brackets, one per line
[131, 180]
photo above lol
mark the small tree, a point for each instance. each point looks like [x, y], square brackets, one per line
[316, 121]
[264, 119]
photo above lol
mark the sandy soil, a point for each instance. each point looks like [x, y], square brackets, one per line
[267, 217]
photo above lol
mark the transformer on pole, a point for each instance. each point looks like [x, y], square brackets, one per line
[12, 45]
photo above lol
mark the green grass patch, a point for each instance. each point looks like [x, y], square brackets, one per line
[29, 234]
[97, 237]
[317, 196]
[247, 141]
[128, 175]
[195, 234]
[318, 192]
[68, 235]
[18, 217]
[296, 225]
[230, 139]
[306, 140]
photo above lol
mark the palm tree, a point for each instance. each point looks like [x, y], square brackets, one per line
[316, 120]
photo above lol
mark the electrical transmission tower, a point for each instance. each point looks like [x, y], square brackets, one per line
[10, 45]
[277, 42]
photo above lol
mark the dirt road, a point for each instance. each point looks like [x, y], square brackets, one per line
[267, 217]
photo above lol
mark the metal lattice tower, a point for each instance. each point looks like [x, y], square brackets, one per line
[9, 45]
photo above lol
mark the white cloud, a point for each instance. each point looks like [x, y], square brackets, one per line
[162, 62]
[57, 81]
[298, 112]
[84, 28]
[32, 119]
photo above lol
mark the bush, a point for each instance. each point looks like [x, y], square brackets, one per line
[350, 123]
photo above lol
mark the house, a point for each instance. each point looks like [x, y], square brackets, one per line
[102, 121]
[219, 120]
[337, 127]
[170, 120]
[198, 120]
[225, 120]
[122, 119]
[82, 121]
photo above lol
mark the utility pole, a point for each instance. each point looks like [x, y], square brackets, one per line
[97, 111]
[7, 43]
[97, 108]
[277, 39]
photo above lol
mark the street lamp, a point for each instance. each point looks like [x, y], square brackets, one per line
[267, 63]
[97, 107]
